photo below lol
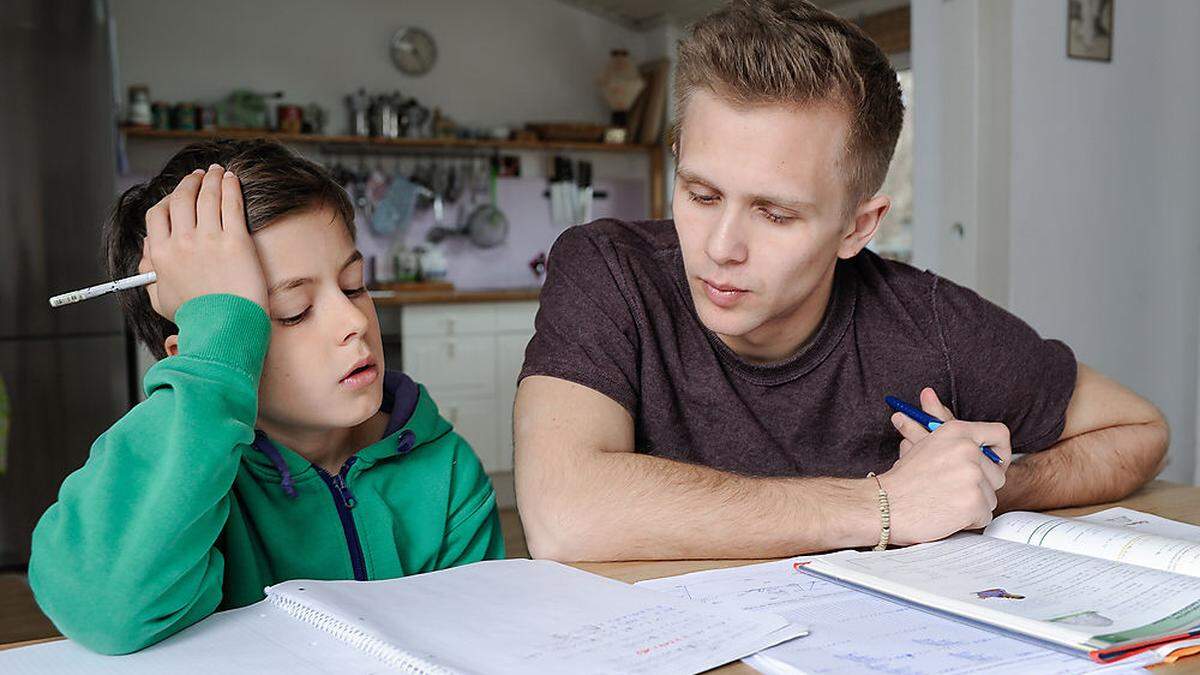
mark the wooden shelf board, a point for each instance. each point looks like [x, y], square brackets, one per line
[415, 143]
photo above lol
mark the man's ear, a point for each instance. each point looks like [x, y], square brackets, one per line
[171, 344]
[862, 228]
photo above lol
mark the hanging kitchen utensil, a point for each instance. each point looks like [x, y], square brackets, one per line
[394, 212]
[455, 183]
[423, 175]
[484, 225]
[487, 226]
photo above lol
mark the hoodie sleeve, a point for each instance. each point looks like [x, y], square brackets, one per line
[473, 524]
[127, 556]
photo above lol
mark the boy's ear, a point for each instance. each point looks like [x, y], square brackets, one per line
[171, 344]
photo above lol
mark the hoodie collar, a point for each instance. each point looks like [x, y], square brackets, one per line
[409, 424]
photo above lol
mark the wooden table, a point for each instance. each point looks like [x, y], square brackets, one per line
[1169, 500]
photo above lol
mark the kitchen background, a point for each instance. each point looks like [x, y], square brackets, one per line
[469, 134]
[1061, 188]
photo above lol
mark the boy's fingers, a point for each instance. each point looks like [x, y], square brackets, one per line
[233, 214]
[208, 202]
[158, 222]
[182, 204]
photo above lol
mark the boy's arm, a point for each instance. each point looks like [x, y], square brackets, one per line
[126, 556]
[473, 523]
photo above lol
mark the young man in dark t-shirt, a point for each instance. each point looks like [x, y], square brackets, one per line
[714, 386]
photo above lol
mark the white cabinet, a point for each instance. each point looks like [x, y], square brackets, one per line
[475, 420]
[468, 356]
[454, 365]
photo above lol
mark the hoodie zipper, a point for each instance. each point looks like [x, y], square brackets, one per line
[344, 500]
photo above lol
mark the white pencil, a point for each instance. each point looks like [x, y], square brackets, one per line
[103, 289]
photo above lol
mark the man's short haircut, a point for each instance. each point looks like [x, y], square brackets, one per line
[275, 182]
[755, 52]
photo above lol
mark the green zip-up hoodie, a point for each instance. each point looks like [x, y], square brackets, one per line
[181, 510]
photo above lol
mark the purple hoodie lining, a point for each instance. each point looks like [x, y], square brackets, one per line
[400, 397]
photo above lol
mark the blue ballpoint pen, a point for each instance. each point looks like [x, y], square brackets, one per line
[930, 422]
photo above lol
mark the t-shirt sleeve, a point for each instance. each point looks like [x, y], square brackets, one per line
[1001, 370]
[585, 331]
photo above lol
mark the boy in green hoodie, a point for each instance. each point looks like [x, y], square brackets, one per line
[272, 444]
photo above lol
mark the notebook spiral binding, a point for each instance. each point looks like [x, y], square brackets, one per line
[358, 638]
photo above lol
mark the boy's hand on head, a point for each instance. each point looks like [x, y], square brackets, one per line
[197, 243]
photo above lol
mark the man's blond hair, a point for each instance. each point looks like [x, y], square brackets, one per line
[755, 52]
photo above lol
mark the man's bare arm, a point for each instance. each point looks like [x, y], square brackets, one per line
[585, 495]
[1113, 442]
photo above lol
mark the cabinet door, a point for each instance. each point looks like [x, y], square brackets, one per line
[449, 320]
[515, 317]
[475, 420]
[510, 356]
[452, 366]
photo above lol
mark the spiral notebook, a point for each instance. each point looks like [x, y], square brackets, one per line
[509, 616]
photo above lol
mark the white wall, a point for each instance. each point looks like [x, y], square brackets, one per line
[1103, 238]
[498, 62]
[928, 63]
[1104, 231]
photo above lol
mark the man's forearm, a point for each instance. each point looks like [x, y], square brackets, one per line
[1092, 468]
[628, 506]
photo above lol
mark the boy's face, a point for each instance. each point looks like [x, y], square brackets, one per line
[759, 208]
[324, 368]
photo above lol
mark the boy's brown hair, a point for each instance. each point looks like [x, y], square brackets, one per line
[275, 182]
[792, 52]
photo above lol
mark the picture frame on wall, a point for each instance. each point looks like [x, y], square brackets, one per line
[1090, 29]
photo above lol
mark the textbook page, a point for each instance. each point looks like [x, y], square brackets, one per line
[1119, 516]
[855, 632]
[1107, 535]
[522, 616]
[1070, 599]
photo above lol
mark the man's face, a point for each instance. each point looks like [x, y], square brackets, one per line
[759, 208]
[324, 368]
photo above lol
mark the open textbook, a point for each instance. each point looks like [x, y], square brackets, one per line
[1110, 585]
[505, 616]
[854, 633]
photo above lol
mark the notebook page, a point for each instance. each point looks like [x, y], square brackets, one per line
[1110, 538]
[854, 632]
[253, 639]
[521, 616]
[1063, 597]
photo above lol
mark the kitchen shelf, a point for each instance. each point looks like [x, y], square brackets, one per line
[414, 143]
[652, 151]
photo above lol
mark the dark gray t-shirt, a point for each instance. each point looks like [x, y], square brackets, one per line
[616, 316]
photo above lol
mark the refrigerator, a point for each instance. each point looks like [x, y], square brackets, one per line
[66, 370]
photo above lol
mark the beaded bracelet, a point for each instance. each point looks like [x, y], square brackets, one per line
[885, 515]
